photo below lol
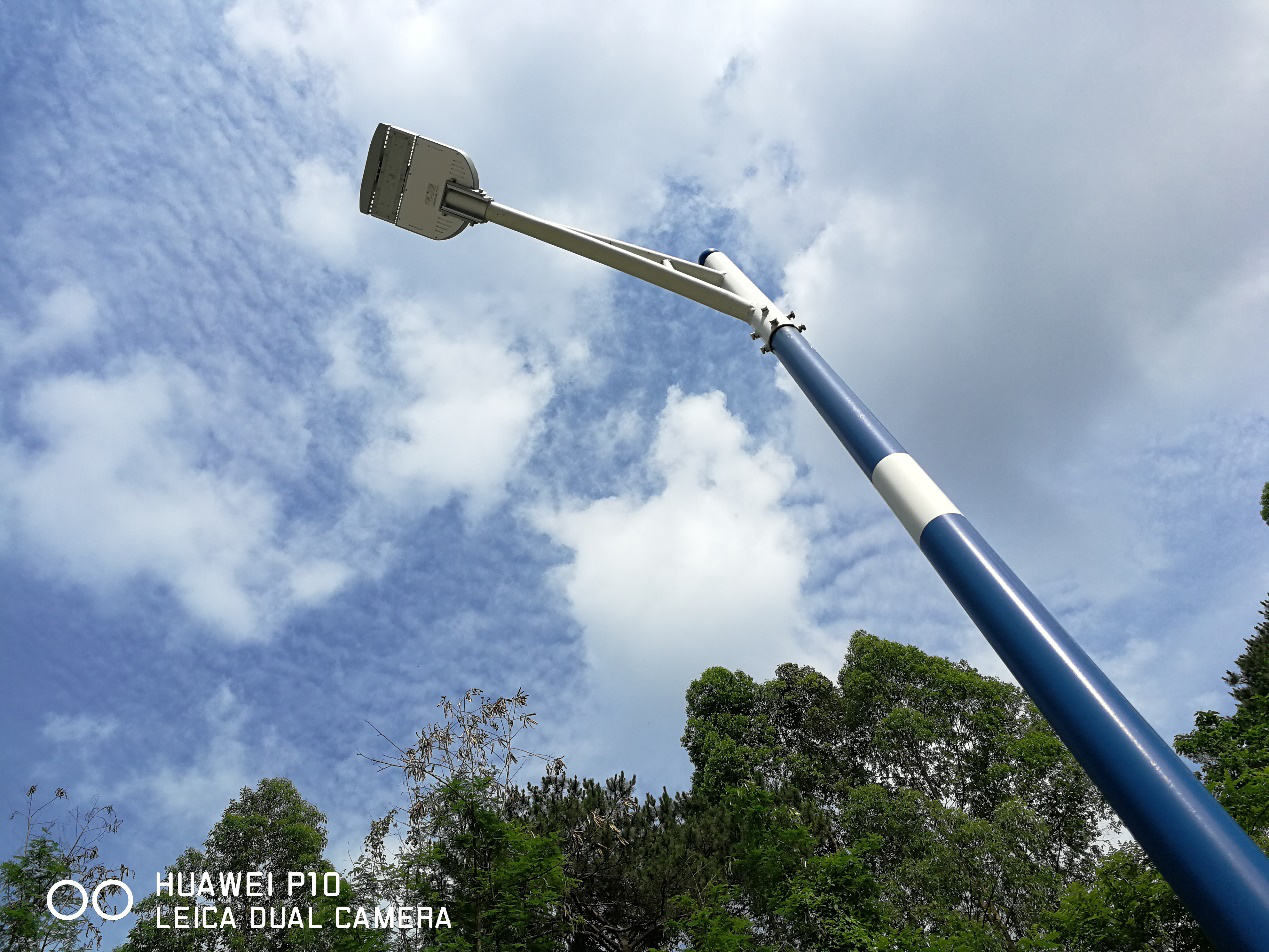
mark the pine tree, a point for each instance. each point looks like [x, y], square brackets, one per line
[1250, 682]
[1233, 751]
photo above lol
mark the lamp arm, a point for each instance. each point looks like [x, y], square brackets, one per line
[662, 270]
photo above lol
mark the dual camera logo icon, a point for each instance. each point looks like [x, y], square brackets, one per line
[84, 900]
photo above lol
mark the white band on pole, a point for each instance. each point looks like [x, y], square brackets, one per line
[910, 493]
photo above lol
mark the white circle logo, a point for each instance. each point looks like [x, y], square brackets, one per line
[84, 900]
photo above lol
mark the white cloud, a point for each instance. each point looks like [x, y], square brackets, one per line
[708, 571]
[1215, 354]
[620, 428]
[79, 730]
[191, 790]
[409, 63]
[114, 489]
[460, 423]
[317, 580]
[66, 317]
[317, 211]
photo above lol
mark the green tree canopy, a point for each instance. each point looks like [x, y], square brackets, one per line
[915, 797]
[269, 830]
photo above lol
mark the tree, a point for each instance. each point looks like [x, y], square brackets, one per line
[627, 860]
[55, 848]
[915, 798]
[499, 885]
[457, 843]
[1250, 683]
[714, 922]
[1233, 751]
[983, 814]
[1129, 905]
[268, 830]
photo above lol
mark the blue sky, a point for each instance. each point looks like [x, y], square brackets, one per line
[271, 469]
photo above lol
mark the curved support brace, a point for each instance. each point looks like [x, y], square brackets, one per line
[646, 265]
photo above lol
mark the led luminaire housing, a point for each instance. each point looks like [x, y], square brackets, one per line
[406, 178]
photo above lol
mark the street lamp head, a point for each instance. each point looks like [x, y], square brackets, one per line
[406, 179]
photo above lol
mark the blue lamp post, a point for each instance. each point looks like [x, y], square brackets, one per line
[1214, 866]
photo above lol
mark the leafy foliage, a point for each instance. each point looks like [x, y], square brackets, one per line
[270, 830]
[55, 848]
[914, 797]
[459, 846]
[1128, 905]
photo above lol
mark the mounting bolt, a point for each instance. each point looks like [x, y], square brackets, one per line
[754, 336]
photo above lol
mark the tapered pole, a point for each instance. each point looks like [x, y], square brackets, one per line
[1214, 866]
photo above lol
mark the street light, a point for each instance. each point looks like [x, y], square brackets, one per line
[1214, 866]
